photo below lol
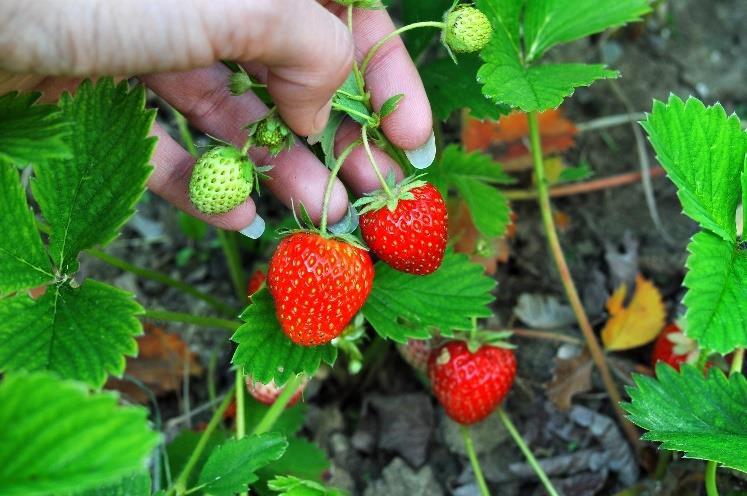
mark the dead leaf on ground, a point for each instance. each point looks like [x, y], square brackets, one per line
[507, 138]
[571, 376]
[488, 252]
[636, 324]
[159, 364]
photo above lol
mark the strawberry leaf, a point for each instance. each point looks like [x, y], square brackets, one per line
[293, 486]
[716, 299]
[80, 440]
[133, 485]
[231, 466]
[23, 261]
[301, 459]
[451, 87]
[703, 151]
[79, 333]
[403, 306]
[348, 100]
[265, 353]
[390, 105]
[87, 198]
[31, 132]
[687, 411]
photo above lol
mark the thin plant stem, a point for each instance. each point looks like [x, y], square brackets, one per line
[277, 408]
[474, 461]
[180, 486]
[710, 478]
[570, 288]
[331, 182]
[662, 464]
[397, 32]
[162, 278]
[188, 318]
[548, 335]
[184, 133]
[231, 251]
[240, 418]
[384, 185]
[511, 428]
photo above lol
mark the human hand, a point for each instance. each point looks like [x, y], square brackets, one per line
[300, 48]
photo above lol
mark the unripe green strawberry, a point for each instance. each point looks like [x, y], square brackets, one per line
[222, 179]
[467, 29]
[271, 132]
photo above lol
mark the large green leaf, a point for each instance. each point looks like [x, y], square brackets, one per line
[703, 151]
[302, 458]
[265, 353]
[23, 261]
[452, 87]
[58, 438]
[133, 485]
[293, 486]
[80, 333]
[686, 411]
[488, 208]
[31, 133]
[86, 199]
[716, 299]
[550, 22]
[403, 306]
[505, 16]
[231, 466]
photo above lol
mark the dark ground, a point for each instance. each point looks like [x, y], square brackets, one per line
[383, 432]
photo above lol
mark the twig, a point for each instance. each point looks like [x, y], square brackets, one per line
[551, 336]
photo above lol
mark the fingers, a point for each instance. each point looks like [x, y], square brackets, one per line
[307, 49]
[202, 96]
[392, 72]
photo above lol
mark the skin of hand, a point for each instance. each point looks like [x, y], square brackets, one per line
[301, 49]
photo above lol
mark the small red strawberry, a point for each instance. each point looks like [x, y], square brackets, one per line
[268, 393]
[471, 385]
[408, 230]
[416, 353]
[256, 282]
[674, 348]
[318, 285]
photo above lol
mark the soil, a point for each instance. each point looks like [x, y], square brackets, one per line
[382, 430]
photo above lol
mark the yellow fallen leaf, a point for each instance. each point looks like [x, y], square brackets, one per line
[638, 323]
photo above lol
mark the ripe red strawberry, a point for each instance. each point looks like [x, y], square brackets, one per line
[416, 353]
[256, 282]
[412, 236]
[673, 347]
[471, 385]
[268, 393]
[318, 285]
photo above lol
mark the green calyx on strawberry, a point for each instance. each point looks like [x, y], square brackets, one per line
[407, 226]
[470, 385]
[467, 29]
[271, 133]
[222, 179]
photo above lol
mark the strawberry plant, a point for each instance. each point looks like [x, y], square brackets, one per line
[72, 174]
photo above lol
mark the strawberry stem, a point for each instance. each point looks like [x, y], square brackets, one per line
[397, 32]
[382, 181]
[240, 419]
[331, 181]
[474, 461]
[511, 428]
[277, 408]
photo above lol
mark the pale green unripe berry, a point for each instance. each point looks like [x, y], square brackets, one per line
[467, 29]
[222, 179]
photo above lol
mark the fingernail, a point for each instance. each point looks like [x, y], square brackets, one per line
[422, 157]
[255, 229]
[321, 117]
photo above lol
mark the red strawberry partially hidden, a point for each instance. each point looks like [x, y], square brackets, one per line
[268, 393]
[416, 353]
[674, 348]
[255, 282]
[410, 233]
[471, 385]
[318, 285]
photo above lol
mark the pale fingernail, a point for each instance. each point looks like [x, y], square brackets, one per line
[321, 118]
[422, 157]
[255, 229]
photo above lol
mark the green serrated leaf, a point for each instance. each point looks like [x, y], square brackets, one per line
[487, 206]
[451, 87]
[703, 151]
[288, 423]
[301, 459]
[132, 485]
[573, 174]
[31, 133]
[293, 486]
[353, 107]
[265, 353]
[79, 333]
[80, 440]
[231, 466]
[505, 16]
[716, 299]
[687, 411]
[390, 105]
[87, 198]
[550, 22]
[403, 306]
[744, 199]
[455, 162]
[183, 445]
[23, 261]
